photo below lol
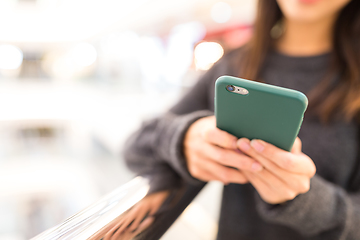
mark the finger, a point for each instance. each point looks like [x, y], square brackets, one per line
[297, 146]
[139, 217]
[209, 170]
[281, 189]
[216, 171]
[128, 219]
[295, 181]
[118, 232]
[125, 235]
[296, 163]
[269, 165]
[196, 169]
[154, 210]
[270, 194]
[230, 158]
[158, 201]
[261, 187]
[220, 138]
[300, 183]
[156, 207]
[143, 225]
[111, 232]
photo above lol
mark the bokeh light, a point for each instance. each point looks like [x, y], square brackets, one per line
[11, 57]
[206, 54]
[221, 12]
[77, 77]
[83, 54]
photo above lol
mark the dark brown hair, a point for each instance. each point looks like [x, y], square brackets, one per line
[329, 97]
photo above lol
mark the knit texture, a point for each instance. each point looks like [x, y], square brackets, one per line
[328, 211]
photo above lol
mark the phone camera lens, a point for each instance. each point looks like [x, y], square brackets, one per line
[230, 88]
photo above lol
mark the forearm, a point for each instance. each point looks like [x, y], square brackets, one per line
[326, 210]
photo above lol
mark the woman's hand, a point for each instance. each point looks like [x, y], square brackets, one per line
[210, 152]
[285, 174]
[138, 218]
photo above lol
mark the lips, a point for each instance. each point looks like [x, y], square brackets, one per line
[309, 1]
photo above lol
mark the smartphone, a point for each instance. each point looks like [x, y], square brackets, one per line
[256, 110]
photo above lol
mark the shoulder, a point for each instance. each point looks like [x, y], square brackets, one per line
[233, 57]
[235, 54]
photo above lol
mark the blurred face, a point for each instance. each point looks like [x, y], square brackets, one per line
[311, 10]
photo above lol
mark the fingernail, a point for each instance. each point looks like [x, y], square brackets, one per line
[257, 145]
[244, 145]
[256, 167]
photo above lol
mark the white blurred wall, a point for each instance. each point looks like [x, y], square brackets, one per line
[77, 77]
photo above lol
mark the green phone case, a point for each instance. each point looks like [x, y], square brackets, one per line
[273, 114]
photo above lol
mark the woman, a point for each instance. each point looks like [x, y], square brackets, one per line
[309, 45]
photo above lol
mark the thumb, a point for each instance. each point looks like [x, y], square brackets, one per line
[297, 146]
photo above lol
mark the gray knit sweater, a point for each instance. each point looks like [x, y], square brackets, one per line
[328, 211]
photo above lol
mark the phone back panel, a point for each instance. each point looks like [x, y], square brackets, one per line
[267, 112]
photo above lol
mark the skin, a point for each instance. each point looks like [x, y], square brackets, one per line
[212, 154]
[308, 26]
[284, 175]
[138, 218]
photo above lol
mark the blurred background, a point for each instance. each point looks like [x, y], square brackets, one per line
[77, 77]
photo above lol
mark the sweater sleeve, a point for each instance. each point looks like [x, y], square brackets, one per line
[326, 210]
[156, 149]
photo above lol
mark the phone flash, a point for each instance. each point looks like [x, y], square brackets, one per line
[244, 91]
